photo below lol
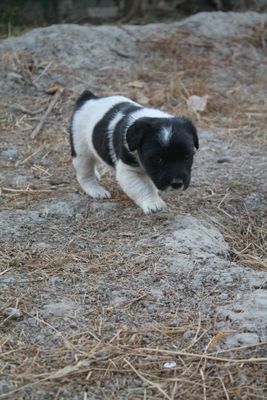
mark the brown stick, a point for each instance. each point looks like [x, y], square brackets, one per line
[48, 111]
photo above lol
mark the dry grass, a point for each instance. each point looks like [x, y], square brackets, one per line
[105, 359]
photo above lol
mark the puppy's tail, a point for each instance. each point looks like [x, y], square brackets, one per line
[84, 97]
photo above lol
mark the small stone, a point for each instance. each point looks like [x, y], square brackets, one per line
[175, 322]
[240, 339]
[140, 259]
[224, 159]
[223, 296]
[5, 386]
[12, 313]
[14, 76]
[10, 154]
[152, 308]
[73, 325]
[189, 334]
[169, 365]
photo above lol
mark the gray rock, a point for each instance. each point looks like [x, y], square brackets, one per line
[239, 339]
[196, 238]
[12, 313]
[58, 209]
[250, 311]
[189, 334]
[5, 386]
[175, 322]
[10, 154]
[223, 296]
[60, 309]
[102, 208]
[14, 223]
[224, 159]
[118, 300]
[255, 202]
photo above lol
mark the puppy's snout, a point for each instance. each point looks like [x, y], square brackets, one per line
[177, 183]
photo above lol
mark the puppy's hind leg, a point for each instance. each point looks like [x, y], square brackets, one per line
[139, 188]
[85, 167]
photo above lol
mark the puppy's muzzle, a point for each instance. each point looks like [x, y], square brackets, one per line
[177, 183]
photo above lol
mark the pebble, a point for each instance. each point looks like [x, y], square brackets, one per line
[169, 365]
[5, 386]
[189, 334]
[223, 296]
[10, 154]
[175, 322]
[12, 313]
[224, 159]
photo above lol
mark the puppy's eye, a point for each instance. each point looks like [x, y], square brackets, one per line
[160, 160]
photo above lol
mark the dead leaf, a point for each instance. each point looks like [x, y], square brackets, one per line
[53, 89]
[198, 103]
[137, 84]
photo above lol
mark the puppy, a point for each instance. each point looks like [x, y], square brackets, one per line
[150, 150]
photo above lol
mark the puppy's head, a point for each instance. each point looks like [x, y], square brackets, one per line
[165, 148]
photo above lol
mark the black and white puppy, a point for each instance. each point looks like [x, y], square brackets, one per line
[149, 149]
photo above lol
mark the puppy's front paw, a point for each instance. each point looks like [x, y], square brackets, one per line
[153, 205]
[96, 191]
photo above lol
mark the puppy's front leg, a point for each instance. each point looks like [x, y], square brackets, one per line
[87, 176]
[139, 187]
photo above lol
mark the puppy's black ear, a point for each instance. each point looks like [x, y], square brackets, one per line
[135, 133]
[193, 131]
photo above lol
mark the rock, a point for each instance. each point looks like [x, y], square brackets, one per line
[224, 159]
[118, 300]
[60, 309]
[194, 237]
[239, 339]
[250, 311]
[189, 334]
[20, 180]
[12, 313]
[223, 296]
[102, 208]
[16, 223]
[175, 322]
[169, 364]
[219, 25]
[58, 209]
[255, 202]
[14, 76]
[5, 386]
[10, 154]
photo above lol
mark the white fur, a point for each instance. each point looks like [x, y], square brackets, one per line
[139, 187]
[165, 135]
[148, 112]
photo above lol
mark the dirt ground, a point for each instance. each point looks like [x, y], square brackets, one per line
[97, 300]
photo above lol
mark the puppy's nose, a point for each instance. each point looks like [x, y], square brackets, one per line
[177, 183]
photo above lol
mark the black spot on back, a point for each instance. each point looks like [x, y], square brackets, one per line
[100, 134]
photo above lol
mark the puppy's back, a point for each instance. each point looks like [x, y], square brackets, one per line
[88, 111]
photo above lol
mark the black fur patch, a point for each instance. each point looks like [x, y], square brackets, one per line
[84, 97]
[168, 162]
[101, 138]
